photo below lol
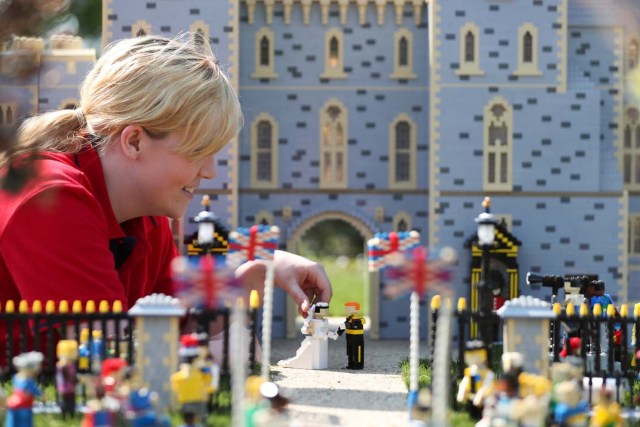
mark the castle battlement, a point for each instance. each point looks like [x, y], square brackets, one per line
[64, 41]
[343, 6]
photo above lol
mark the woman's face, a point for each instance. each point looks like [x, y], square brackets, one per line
[168, 179]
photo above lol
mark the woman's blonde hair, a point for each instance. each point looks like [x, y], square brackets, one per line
[161, 84]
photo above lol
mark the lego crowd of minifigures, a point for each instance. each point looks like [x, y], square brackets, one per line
[106, 392]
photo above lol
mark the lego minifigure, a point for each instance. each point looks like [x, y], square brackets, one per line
[477, 382]
[189, 384]
[354, 326]
[141, 411]
[66, 379]
[313, 352]
[97, 347]
[274, 413]
[570, 409]
[25, 390]
[210, 370]
[84, 352]
[607, 412]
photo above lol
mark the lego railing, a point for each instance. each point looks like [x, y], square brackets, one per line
[609, 340]
[34, 327]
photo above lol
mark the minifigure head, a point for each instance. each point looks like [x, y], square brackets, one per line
[189, 348]
[322, 310]
[252, 387]
[569, 393]
[112, 372]
[84, 336]
[512, 362]
[352, 308]
[271, 392]
[67, 350]
[475, 353]
[96, 334]
[28, 364]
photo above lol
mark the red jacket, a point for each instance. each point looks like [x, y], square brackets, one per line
[60, 240]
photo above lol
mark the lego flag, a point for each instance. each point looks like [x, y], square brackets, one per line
[200, 284]
[414, 272]
[385, 246]
[256, 242]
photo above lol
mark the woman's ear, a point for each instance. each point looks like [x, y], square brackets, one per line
[130, 140]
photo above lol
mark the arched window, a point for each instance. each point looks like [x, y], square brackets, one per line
[202, 31]
[264, 152]
[264, 218]
[265, 66]
[402, 152]
[140, 28]
[631, 148]
[333, 146]
[469, 47]
[402, 221]
[527, 51]
[334, 52]
[497, 146]
[403, 52]
[7, 114]
[264, 51]
[634, 234]
[632, 55]
[469, 51]
[403, 55]
[334, 55]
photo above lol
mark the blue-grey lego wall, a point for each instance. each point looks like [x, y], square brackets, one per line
[372, 99]
[171, 17]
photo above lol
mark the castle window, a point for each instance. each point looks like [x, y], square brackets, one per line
[527, 51]
[264, 218]
[631, 149]
[469, 51]
[264, 53]
[403, 55]
[7, 115]
[264, 152]
[333, 145]
[402, 221]
[140, 28]
[632, 55]
[497, 175]
[334, 55]
[634, 234]
[201, 28]
[402, 153]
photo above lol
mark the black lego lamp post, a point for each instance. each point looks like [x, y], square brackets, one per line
[486, 239]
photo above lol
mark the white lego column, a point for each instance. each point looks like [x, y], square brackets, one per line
[267, 314]
[414, 346]
[238, 348]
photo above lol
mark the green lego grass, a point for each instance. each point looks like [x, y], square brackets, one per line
[348, 281]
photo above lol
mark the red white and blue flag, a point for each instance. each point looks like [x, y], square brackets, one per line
[202, 281]
[414, 272]
[385, 246]
[256, 242]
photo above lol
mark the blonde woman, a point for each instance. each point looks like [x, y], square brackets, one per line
[93, 223]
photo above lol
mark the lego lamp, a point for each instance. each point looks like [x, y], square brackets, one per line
[206, 225]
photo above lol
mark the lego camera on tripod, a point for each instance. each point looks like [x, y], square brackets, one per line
[576, 287]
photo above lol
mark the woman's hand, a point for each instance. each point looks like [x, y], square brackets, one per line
[300, 277]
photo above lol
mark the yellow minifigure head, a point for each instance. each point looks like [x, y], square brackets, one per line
[67, 350]
[96, 334]
[84, 335]
[475, 353]
[252, 387]
[352, 308]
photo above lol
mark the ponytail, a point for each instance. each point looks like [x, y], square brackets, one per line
[55, 131]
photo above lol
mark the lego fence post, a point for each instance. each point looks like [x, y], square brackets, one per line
[526, 330]
[157, 329]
